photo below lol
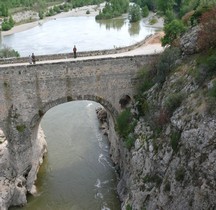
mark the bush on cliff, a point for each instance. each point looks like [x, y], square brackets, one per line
[8, 52]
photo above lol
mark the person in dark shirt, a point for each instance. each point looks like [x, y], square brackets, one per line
[33, 58]
[74, 51]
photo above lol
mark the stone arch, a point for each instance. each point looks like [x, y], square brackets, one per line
[39, 113]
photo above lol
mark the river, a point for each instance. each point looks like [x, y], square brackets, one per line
[77, 173]
[61, 34]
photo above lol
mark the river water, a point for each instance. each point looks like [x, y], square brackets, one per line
[77, 173]
[61, 34]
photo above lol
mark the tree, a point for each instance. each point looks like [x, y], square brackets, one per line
[172, 31]
[134, 13]
[165, 5]
[145, 11]
[207, 34]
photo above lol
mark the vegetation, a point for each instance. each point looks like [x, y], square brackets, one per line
[134, 13]
[113, 8]
[145, 11]
[173, 101]
[125, 126]
[172, 30]
[20, 128]
[7, 52]
[174, 141]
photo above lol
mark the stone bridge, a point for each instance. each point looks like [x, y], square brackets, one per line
[27, 92]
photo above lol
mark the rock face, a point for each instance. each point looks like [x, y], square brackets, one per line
[188, 42]
[13, 188]
[173, 162]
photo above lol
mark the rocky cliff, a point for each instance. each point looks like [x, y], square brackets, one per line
[172, 164]
[13, 188]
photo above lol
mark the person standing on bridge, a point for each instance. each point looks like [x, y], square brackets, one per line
[30, 59]
[74, 51]
[33, 58]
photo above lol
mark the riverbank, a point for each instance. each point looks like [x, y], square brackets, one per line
[81, 11]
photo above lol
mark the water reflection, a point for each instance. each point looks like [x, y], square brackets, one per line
[116, 23]
[134, 28]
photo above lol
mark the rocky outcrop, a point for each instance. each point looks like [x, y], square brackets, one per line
[13, 188]
[188, 42]
[173, 162]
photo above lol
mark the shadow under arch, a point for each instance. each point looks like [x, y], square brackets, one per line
[106, 104]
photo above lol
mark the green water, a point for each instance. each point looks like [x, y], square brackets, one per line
[77, 173]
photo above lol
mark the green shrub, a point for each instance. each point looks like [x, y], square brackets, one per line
[166, 63]
[212, 91]
[173, 101]
[8, 52]
[153, 178]
[125, 123]
[129, 142]
[134, 13]
[152, 21]
[174, 140]
[145, 79]
[128, 207]
[20, 128]
[145, 11]
[172, 30]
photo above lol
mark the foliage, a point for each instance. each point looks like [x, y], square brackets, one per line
[172, 102]
[7, 52]
[207, 34]
[113, 8]
[152, 21]
[3, 10]
[128, 207]
[145, 11]
[7, 24]
[211, 100]
[174, 140]
[212, 90]
[125, 123]
[20, 128]
[206, 66]
[169, 16]
[166, 62]
[134, 13]
[165, 5]
[145, 77]
[172, 30]
[153, 178]
[129, 142]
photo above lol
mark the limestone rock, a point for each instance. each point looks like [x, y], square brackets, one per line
[188, 42]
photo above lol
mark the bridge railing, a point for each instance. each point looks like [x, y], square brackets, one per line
[70, 55]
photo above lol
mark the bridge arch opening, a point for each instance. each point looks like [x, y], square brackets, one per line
[84, 160]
